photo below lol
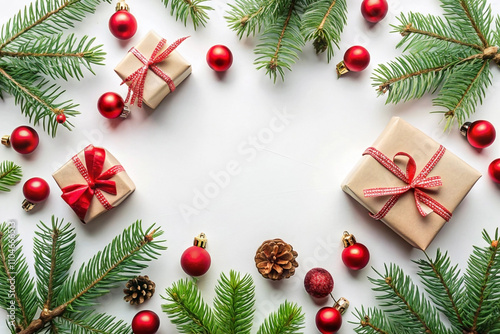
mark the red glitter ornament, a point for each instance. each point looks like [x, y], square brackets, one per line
[374, 10]
[355, 255]
[145, 322]
[318, 282]
[219, 58]
[479, 134]
[195, 260]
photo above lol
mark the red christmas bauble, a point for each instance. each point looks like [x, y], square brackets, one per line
[494, 170]
[328, 320]
[123, 24]
[110, 105]
[318, 282]
[481, 134]
[195, 261]
[61, 118]
[374, 10]
[356, 256]
[36, 190]
[356, 58]
[24, 139]
[145, 322]
[219, 58]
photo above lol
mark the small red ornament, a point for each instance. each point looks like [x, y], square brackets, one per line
[356, 59]
[145, 322]
[219, 58]
[23, 139]
[122, 23]
[111, 105]
[318, 282]
[479, 134]
[374, 10]
[61, 118]
[494, 170]
[195, 260]
[35, 190]
[355, 255]
[329, 319]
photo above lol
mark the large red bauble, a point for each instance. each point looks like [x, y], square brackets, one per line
[145, 322]
[494, 170]
[328, 320]
[36, 190]
[356, 58]
[356, 256]
[318, 282]
[110, 105]
[481, 134]
[374, 10]
[24, 139]
[195, 261]
[122, 24]
[219, 58]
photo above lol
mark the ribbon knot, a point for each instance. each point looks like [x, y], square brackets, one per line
[79, 196]
[416, 183]
[136, 81]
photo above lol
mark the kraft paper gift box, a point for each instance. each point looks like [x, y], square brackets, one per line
[93, 182]
[155, 88]
[404, 218]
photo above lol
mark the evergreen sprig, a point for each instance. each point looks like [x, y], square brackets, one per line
[234, 308]
[450, 54]
[470, 302]
[33, 46]
[65, 300]
[195, 10]
[10, 175]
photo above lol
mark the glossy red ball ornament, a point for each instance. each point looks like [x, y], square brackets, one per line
[110, 105]
[355, 255]
[318, 282]
[374, 10]
[24, 139]
[328, 320]
[219, 58]
[479, 134]
[356, 58]
[195, 261]
[123, 24]
[35, 190]
[145, 322]
[494, 170]
[61, 118]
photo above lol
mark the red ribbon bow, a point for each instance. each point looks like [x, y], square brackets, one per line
[138, 78]
[416, 183]
[79, 196]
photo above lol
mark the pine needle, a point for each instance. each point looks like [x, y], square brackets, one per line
[195, 10]
[10, 175]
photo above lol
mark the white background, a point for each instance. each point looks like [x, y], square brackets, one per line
[289, 188]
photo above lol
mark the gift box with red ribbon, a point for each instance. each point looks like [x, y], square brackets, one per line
[152, 69]
[410, 182]
[93, 182]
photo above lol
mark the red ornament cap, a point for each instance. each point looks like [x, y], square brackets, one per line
[35, 190]
[479, 134]
[145, 322]
[23, 139]
[219, 58]
[374, 10]
[354, 255]
[123, 24]
[356, 59]
[195, 261]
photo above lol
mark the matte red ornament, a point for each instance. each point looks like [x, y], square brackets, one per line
[494, 170]
[329, 319]
[479, 134]
[318, 282]
[355, 255]
[374, 10]
[356, 59]
[111, 106]
[61, 118]
[195, 260]
[145, 322]
[123, 24]
[23, 139]
[219, 58]
[35, 190]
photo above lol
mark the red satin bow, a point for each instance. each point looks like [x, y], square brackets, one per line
[138, 78]
[416, 183]
[79, 196]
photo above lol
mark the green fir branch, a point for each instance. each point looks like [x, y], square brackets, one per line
[461, 21]
[87, 322]
[375, 321]
[287, 320]
[10, 175]
[196, 10]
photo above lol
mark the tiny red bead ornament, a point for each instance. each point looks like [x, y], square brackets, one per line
[61, 118]
[355, 255]
[35, 190]
[328, 320]
[494, 170]
[122, 24]
[219, 58]
[195, 261]
[23, 139]
[110, 105]
[318, 282]
[356, 59]
[145, 322]
[374, 10]
[479, 134]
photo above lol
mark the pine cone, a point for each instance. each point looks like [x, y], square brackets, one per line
[275, 259]
[138, 290]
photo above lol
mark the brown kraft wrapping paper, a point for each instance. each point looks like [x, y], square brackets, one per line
[155, 88]
[68, 174]
[404, 219]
